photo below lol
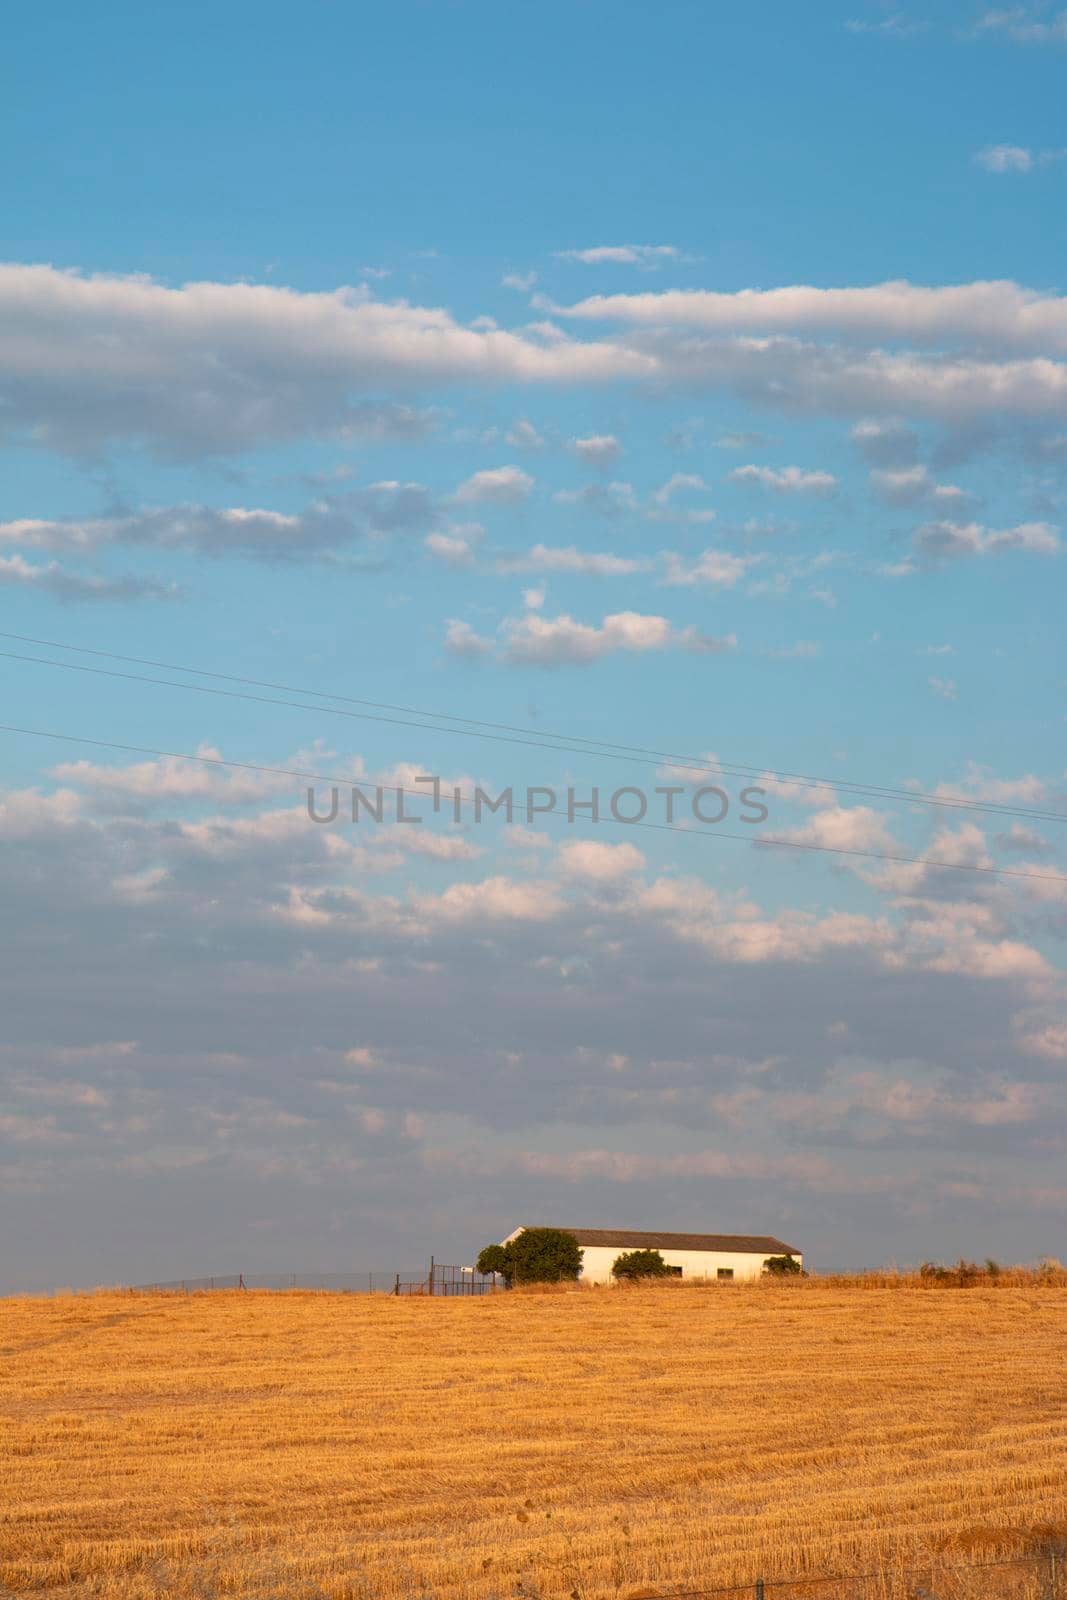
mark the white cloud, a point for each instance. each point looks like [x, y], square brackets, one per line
[524, 436]
[54, 579]
[896, 26]
[455, 550]
[536, 640]
[716, 568]
[1004, 158]
[786, 480]
[983, 314]
[904, 486]
[327, 524]
[944, 688]
[216, 367]
[523, 281]
[548, 558]
[626, 255]
[461, 640]
[1021, 25]
[598, 449]
[497, 485]
[946, 540]
[599, 863]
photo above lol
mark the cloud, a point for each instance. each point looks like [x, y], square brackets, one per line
[598, 449]
[455, 549]
[719, 569]
[523, 281]
[524, 436]
[906, 486]
[1023, 27]
[786, 480]
[547, 558]
[495, 485]
[844, 828]
[599, 863]
[944, 688]
[885, 444]
[54, 579]
[984, 315]
[535, 640]
[896, 26]
[952, 541]
[328, 524]
[212, 368]
[1004, 158]
[265, 1101]
[626, 255]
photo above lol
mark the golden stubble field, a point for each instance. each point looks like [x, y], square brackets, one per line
[587, 1443]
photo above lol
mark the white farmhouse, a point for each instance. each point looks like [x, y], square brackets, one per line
[701, 1256]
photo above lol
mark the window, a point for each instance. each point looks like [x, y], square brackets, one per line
[675, 1271]
[724, 1272]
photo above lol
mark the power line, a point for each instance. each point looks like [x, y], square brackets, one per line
[576, 745]
[471, 800]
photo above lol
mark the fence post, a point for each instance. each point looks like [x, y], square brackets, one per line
[1052, 1574]
[431, 1275]
[396, 1286]
[759, 1589]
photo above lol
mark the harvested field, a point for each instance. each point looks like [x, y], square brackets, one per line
[611, 1442]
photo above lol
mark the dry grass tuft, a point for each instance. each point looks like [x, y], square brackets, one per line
[563, 1444]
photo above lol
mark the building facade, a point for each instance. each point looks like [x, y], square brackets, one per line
[703, 1257]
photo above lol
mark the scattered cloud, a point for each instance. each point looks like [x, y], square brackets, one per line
[1004, 158]
[1024, 26]
[524, 436]
[536, 640]
[898, 25]
[598, 449]
[59, 581]
[719, 569]
[495, 485]
[624, 255]
[549, 558]
[786, 480]
[944, 688]
[908, 486]
[952, 541]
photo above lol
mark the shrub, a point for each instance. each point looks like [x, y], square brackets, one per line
[783, 1266]
[640, 1264]
[537, 1255]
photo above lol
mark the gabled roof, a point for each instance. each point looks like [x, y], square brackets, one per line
[755, 1244]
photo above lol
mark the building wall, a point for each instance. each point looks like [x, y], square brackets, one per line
[598, 1261]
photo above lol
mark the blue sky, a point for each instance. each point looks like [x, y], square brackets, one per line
[694, 382]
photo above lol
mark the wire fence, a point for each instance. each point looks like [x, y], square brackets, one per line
[436, 1279]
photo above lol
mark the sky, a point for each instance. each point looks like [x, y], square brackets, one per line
[593, 398]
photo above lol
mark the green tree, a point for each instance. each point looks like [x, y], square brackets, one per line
[640, 1264]
[537, 1255]
[783, 1266]
[494, 1258]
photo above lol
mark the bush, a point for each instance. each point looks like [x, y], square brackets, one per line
[640, 1264]
[783, 1266]
[538, 1255]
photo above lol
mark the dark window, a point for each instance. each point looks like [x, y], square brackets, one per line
[675, 1271]
[724, 1272]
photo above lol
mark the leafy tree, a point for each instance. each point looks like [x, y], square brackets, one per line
[640, 1264]
[494, 1258]
[538, 1255]
[783, 1266]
